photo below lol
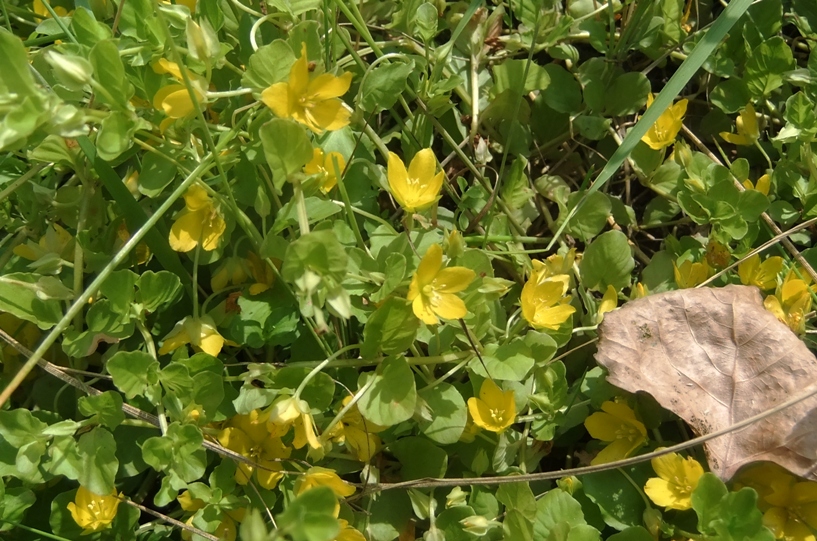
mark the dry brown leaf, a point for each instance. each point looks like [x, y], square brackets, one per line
[714, 357]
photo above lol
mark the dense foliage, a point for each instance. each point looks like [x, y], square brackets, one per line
[266, 260]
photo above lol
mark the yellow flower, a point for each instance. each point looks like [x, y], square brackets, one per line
[261, 272]
[639, 291]
[763, 275]
[348, 533]
[231, 271]
[317, 477]
[746, 124]
[248, 436]
[432, 289]
[358, 434]
[294, 412]
[174, 99]
[677, 478]
[324, 165]
[314, 103]
[418, 187]
[56, 241]
[545, 304]
[763, 184]
[791, 302]
[789, 506]
[662, 134]
[93, 512]
[616, 424]
[200, 333]
[495, 409]
[608, 303]
[691, 274]
[39, 8]
[199, 222]
[226, 531]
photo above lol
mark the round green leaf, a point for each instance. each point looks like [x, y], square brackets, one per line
[448, 414]
[392, 396]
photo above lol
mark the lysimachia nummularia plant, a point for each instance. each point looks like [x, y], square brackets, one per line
[332, 270]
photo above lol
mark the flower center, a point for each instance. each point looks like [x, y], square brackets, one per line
[627, 432]
[95, 509]
[498, 415]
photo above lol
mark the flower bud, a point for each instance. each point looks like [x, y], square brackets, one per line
[72, 71]
[478, 525]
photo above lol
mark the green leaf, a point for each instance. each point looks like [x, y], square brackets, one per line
[449, 523]
[608, 260]
[557, 511]
[15, 503]
[420, 458]
[448, 414]
[392, 395]
[157, 289]
[766, 65]
[510, 75]
[106, 407]
[518, 496]
[730, 95]
[118, 288]
[318, 391]
[97, 452]
[633, 533]
[592, 218]
[728, 515]
[15, 77]
[116, 134]
[517, 526]
[157, 172]
[395, 271]
[268, 65]
[508, 362]
[564, 94]
[287, 148]
[316, 209]
[19, 427]
[86, 28]
[296, 7]
[18, 296]
[390, 329]
[621, 504]
[310, 517]
[383, 85]
[425, 21]
[109, 73]
[133, 372]
[319, 252]
[179, 452]
[627, 94]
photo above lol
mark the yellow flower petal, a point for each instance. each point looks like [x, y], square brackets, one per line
[453, 279]
[279, 98]
[186, 231]
[448, 306]
[327, 86]
[317, 477]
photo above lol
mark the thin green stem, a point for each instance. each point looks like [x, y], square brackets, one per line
[79, 252]
[10, 189]
[347, 205]
[321, 366]
[196, 281]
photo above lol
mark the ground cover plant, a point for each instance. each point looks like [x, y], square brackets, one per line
[329, 270]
